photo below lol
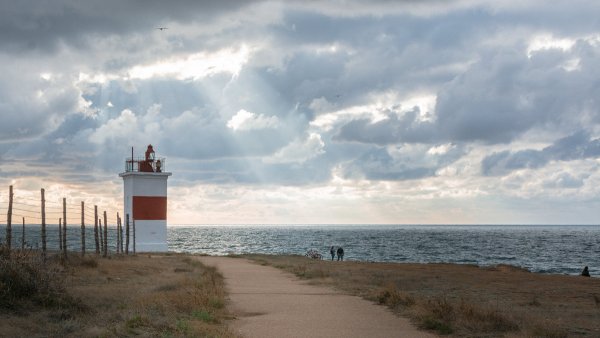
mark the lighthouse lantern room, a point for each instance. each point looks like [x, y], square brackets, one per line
[145, 200]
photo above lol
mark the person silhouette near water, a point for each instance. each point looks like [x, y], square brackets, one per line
[340, 253]
[585, 272]
[332, 252]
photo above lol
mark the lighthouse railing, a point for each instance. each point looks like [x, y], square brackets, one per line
[140, 164]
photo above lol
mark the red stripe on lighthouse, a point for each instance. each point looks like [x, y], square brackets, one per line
[149, 208]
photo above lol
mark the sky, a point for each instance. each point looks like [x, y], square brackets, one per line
[298, 112]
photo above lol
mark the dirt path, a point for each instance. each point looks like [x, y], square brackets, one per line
[270, 303]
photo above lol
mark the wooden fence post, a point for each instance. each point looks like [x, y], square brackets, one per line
[134, 236]
[119, 235]
[127, 234]
[117, 232]
[82, 229]
[96, 229]
[101, 235]
[64, 227]
[9, 219]
[105, 235]
[43, 225]
[23, 235]
[121, 232]
[60, 234]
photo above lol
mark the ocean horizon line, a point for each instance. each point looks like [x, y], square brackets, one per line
[381, 224]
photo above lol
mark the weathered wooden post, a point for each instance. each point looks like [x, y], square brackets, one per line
[9, 219]
[23, 236]
[101, 235]
[134, 236]
[43, 225]
[117, 233]
[105, 235]
[82, 229]
[121, 233]
[96, 229]
[127, 234]
[60, 235]
[64, 227]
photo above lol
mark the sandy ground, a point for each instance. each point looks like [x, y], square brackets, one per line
[270, 303]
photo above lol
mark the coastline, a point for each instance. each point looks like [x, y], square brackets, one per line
[464, 300]
[455, 299]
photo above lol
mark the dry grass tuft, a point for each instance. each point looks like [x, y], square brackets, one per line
[437, 315]
[308, 272]
[88, 262]
[542, 331]
[534, 301]
[25, 280]
[393, 298]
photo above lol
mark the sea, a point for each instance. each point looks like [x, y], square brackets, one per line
[552, 249]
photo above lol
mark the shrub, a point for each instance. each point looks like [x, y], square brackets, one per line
[204, 316]
[392, 297]
[24, 276]
[88, 262]
[445, 317]
[135, 322]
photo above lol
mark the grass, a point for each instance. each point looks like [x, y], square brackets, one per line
[26, 280]
[463, 300]
[146, 295]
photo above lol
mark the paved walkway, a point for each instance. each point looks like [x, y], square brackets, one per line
[268, 302]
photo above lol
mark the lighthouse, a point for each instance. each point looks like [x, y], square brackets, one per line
[145, 200]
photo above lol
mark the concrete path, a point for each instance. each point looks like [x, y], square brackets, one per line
[268, 302]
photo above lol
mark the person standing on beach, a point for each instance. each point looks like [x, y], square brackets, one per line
[340, 253]
[332, 252]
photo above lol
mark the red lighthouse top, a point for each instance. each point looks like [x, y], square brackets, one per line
[149, 164]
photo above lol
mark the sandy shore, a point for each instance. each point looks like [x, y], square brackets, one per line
[268, 302]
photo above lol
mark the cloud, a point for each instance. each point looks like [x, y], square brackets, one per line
[406, 128]
[573, 147]
[394, 100]
[407, 162]
[30, 25]
[245, 120]
[115, 128]
[299, 151]
[195, 66]
[564, 180]
[32, 103]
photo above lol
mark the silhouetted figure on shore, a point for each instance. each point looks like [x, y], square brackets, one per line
[340, 254]
[332, 252]
[585, 272]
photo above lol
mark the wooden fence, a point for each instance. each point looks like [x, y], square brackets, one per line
[91, 223]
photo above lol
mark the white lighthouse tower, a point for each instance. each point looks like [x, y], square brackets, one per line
[145, 192]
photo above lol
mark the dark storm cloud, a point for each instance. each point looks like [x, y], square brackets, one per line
[35, 25]
[574, 147]
[498, 99]
[507, 93]
[397, 52]
[392, 130]
[31, 105]
[409, 164]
